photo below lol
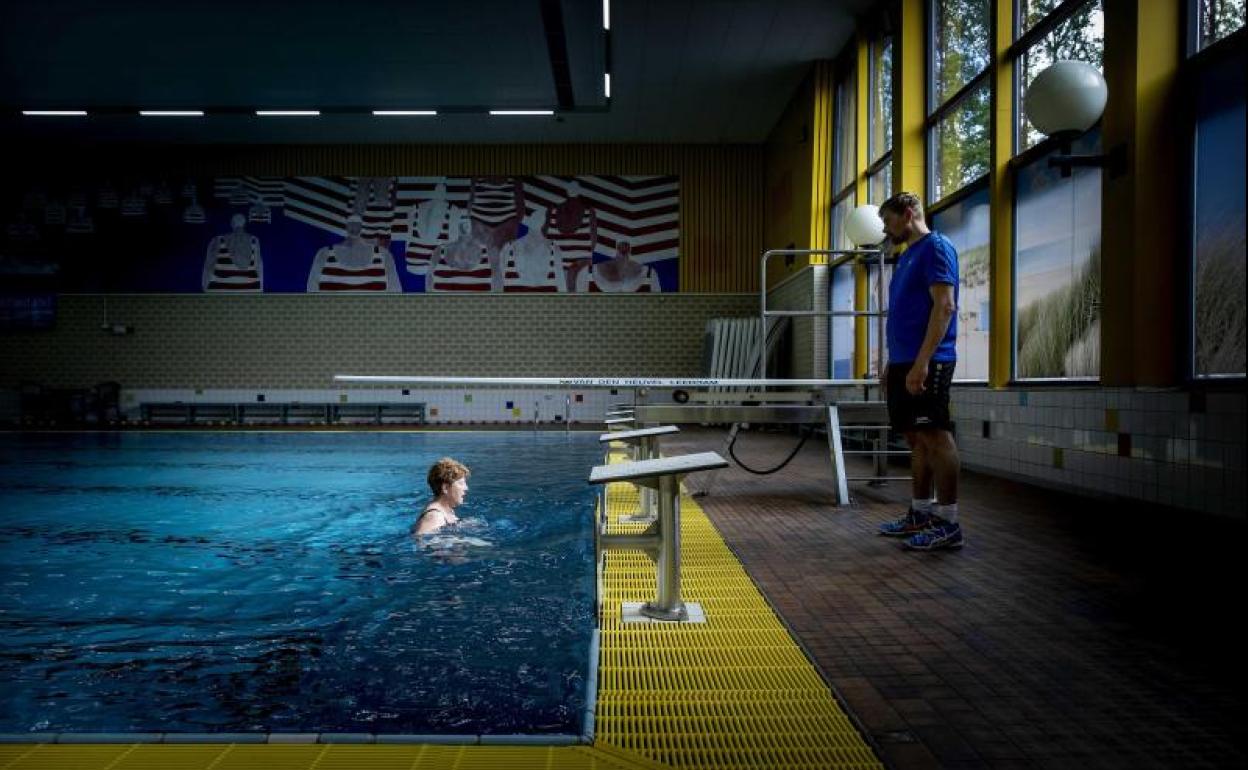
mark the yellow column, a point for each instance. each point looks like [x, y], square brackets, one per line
[822, 142]
[909, 165]
[862, 284]
[1141, 204]
[1001, 190]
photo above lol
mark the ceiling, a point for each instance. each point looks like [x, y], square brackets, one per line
[717, 71]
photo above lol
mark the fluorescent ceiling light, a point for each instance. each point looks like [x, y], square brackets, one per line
[50, 113]
[403, 113]
[172, 113]
[606, 14]
[606, 84]
[287, 113]
[522, 112]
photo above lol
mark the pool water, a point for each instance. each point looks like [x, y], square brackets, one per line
[268, 582]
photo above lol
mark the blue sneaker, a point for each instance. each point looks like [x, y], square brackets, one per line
[942, 535]
[912, 523]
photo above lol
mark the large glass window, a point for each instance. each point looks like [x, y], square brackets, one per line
[1218, 225]
[873, 304]
[880, 184]
[845, 134]
[959, 45]
[1079, 36]
[1032, 11]
[965, 223]
[961, 144]
[880, 120]
[842, 295]
[1215, 19]
[1057, 268]
[958, 95]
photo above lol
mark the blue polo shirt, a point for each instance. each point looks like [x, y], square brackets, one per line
[931, 259]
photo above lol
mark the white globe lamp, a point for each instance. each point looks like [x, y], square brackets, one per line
[1067, 98]
[864, 226]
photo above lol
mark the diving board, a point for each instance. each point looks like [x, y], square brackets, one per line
[640, 433]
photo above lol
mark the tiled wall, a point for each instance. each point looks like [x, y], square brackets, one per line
[1171, 447]
[495, 405]
[300, 341]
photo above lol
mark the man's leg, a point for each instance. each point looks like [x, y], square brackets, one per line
[920, 466]
[919, 515]
[942, 458]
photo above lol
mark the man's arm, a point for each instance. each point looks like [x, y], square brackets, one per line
[943, 308]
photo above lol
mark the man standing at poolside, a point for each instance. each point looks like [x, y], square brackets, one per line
[922, 334]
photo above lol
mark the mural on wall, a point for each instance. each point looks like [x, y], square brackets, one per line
[534, 234]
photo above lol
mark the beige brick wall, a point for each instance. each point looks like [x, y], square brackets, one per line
[302, 340]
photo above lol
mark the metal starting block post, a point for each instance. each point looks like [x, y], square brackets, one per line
[661, 540]
[644, 445]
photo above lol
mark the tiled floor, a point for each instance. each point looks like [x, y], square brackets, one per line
[1068, 633]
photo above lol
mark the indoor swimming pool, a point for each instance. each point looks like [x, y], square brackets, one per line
[267, 582]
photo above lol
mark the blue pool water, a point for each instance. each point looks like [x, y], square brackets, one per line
[267, 582]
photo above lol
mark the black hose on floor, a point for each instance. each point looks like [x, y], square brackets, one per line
[807, 431]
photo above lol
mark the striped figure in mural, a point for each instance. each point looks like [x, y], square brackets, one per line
[354, 264]
[620, 275]
[374, 204]
[433, 223]
[531, 263]
[233, 260]
[573, 227]
[464, 263]
[496, 205]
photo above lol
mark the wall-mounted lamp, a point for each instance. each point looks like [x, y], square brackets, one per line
[864, 227]
[1064, 101]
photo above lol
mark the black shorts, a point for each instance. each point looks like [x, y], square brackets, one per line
[929, 409]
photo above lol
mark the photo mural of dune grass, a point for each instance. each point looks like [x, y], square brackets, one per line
[1221, 322]
[1059, 335]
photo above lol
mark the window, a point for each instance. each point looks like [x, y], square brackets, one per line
[1079, 36]
[958, 95]
[1057, 219]
[880, 119]
[880, 184]
[845, 134]
[873, 305]
[961, 144]
[1218, 263]
[841, 355]
[959, 46]
[1057, 268]
[1032, 11]
[844, 177]
[1215, 19]
[965, 223]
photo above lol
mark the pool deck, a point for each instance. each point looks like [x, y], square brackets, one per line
[1070, 632]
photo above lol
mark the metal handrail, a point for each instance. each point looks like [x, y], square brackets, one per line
[841, 257]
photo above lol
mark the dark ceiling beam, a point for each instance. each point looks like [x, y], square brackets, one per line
[557, 49]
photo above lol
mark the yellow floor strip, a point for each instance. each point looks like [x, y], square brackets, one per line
[154, 756]
[735, 692]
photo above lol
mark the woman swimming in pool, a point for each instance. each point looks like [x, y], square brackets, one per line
[448, 480]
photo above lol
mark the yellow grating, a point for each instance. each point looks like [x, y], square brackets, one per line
[734, 692]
